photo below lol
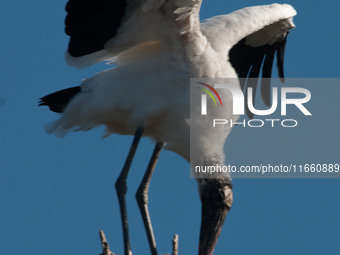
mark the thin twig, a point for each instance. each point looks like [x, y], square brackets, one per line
[175, 245]
[105, 245]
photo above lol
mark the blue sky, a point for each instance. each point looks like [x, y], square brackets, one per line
[56, 194]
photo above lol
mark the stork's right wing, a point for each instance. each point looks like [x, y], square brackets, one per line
[249, 38]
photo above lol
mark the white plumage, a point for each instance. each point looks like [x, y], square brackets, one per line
[158, 47]
[157, 55]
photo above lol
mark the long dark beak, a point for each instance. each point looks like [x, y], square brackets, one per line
[215, 207]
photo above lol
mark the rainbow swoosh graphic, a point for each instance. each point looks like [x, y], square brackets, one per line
[208, 92]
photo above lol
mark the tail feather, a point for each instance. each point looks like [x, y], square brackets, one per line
[56, 128]
[58, 101]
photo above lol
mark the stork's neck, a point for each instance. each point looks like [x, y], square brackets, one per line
[207, 151]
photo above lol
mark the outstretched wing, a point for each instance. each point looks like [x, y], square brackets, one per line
[103, 29]
[254, 35]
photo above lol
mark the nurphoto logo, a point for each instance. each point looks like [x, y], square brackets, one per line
[239, 104]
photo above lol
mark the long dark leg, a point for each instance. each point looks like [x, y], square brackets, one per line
[142, 197]
[121, 189]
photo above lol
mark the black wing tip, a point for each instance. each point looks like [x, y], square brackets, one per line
[280, 53]
[52, 106]
[57, 101]
[41, 102]
[91, 23]
[246, 62]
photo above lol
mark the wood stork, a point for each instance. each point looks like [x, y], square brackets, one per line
[158, 45]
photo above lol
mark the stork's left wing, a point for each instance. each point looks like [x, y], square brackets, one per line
[254, 35]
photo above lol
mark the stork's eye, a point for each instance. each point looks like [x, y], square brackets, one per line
[219, 196]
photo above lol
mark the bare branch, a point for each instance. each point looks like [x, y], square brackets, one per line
[105, 245]
[106, 248]
[175, 245]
